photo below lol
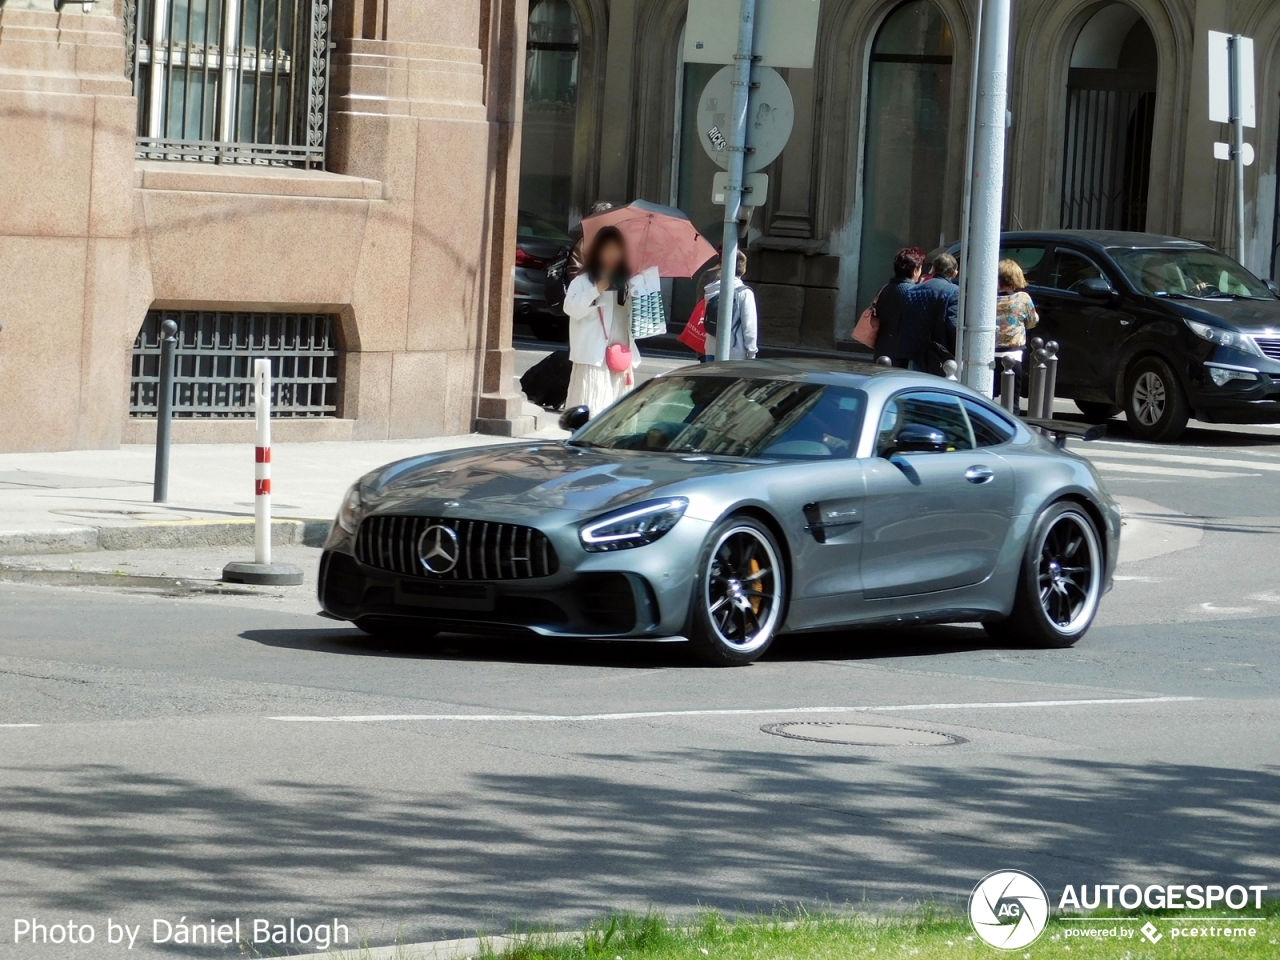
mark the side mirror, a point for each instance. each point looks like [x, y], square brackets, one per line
[1271, 285]
[574, 418]
[917, 438]
[1095, 288]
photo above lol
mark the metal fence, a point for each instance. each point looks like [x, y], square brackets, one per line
[1107, 160]
[214, 370]
[230, 80]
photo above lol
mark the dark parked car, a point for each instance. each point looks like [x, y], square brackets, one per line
[1161, 328]
[539, 243]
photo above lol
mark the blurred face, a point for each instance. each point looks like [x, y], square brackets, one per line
[611, 256]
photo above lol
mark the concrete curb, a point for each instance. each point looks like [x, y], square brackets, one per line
[178, 534]
[465, 949]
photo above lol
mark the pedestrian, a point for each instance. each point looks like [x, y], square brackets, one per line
[601, 349]
[1015, 315]
[945, 294]
[743, 339]
[906, 310]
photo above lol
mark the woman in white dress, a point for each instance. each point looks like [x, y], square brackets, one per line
[599, 310]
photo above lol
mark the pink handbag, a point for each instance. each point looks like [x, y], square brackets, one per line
[617, 356]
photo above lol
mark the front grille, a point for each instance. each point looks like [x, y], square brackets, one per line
[485, 551]
[1269, 345]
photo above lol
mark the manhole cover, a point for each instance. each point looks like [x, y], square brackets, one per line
[861, 734]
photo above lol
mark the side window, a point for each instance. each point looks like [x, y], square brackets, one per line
[1069, 268]
[1029, 258]
[990, 429]
[940, 411]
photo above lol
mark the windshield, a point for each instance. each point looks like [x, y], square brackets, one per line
[529, 225]
[1200, 273]
[732, 417]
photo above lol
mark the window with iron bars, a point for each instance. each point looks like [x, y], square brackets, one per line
[213, 375]
[239, 81]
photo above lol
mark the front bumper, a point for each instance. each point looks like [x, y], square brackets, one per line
[1236, 401]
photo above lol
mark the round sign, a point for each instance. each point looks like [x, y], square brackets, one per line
[1009, 909]
[771, 113]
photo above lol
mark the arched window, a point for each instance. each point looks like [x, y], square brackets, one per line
[1111, 92]
[907, 128]
[550, 112]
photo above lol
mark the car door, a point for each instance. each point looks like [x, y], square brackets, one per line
[933, 520]
[1087, 330]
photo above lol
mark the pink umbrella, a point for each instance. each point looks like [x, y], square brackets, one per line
[656, 236]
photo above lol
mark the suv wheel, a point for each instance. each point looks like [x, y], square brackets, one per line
[1155, 405]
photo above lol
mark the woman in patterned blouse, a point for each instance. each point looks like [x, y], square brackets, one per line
[1015, 315]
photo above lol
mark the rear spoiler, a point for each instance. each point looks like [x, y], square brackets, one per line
[1061, 430]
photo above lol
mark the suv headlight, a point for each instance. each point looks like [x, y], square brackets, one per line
[351, 510]
[1223, 338]
[632, 527]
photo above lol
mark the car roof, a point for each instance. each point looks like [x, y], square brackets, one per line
[1104, 239]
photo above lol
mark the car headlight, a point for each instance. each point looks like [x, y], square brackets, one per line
[1223, 338]
[632, 527]
[351, 510]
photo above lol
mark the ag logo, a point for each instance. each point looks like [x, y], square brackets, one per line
[1009, 909]
[438, 549]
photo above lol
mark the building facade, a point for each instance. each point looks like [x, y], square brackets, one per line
[1109, 113]
[332, 185]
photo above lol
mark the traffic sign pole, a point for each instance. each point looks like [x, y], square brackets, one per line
[983, 255]
[737, 160]
[1234, 45]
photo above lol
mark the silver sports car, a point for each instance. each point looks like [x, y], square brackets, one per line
[727, 503]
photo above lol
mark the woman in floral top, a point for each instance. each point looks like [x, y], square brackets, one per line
[1015, 315]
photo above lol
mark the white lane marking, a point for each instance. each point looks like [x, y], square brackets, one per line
[1214, 608]
[1170, 471]
[11, 726]
[1141, 579]
[747, 712]
[1202, 461]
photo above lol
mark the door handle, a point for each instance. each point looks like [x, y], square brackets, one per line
[979, 474]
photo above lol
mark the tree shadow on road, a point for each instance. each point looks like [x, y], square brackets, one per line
[584, 832]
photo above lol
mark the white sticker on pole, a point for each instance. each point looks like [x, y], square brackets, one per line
[1219, 47]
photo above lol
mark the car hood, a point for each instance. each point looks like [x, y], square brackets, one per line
[1249, 316]
[546, 476]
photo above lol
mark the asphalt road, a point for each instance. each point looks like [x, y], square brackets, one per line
[224, 756]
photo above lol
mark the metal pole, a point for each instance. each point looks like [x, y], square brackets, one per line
[1050, 378]
[988, 198]
[1237, 138]
[1035, 390]
[1009, 385]
[967, 207]
[737, 164]
[262, 463]
[164, 409]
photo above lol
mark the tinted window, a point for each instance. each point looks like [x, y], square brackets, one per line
[940, 411]
[1029, 258]
[1197, 272]
[733, 417]
[1070, 268]
[989, 427]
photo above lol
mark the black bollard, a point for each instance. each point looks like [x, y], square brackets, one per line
[164, 409]
[1009, 385]
[1035, 402]
[1050, 378]
[884, 361]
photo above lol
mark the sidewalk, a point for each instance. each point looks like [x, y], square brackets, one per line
[83, 500]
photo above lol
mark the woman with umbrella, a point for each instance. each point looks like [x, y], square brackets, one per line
[601, 348]
[621, 243]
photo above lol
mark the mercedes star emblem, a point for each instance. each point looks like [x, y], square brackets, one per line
[438, 549]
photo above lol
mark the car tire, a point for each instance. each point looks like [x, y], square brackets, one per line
[1096, 411]
[401, 633]
[738, 595]
[1155, 405]
[1059, 583]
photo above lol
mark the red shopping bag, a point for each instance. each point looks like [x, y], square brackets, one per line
[694, 335]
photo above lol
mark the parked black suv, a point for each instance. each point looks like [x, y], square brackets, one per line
[1162, 328]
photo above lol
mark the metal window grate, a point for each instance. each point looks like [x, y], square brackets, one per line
[214, 369]
[242, 81]
[485, 551]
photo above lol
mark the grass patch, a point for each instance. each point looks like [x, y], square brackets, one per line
[925, 934]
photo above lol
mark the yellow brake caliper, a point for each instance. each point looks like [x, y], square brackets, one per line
[757, 587]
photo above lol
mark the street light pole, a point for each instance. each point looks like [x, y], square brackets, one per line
[742, 61]
[987, 203]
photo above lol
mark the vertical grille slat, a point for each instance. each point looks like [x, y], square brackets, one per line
[486, 551]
